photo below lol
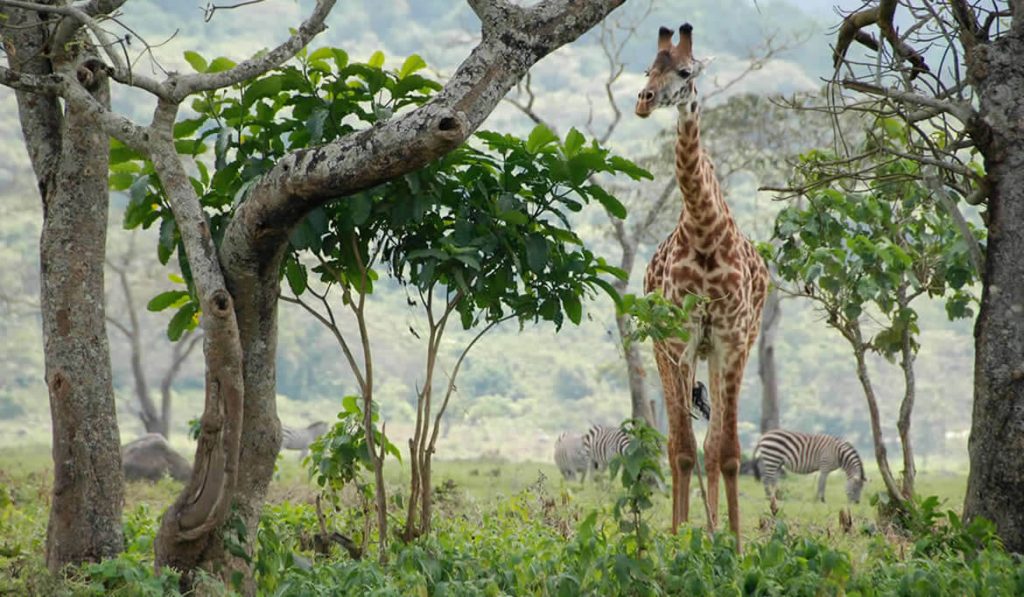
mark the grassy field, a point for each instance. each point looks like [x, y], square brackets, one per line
[522, 510]
[483, 484]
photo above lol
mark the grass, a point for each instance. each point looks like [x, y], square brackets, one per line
[468, 493]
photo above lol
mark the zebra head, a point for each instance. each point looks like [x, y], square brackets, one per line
[854, 486]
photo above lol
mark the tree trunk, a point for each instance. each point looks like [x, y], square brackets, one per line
[766, 362]
[995, 486]
[907, 405]
[640, 406]
[876, 425]
[88, 488]
[70, 158]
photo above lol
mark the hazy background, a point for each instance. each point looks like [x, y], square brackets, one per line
[520, 387]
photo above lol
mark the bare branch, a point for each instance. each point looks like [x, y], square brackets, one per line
[962, 112]
[211, 8]
[184, 85]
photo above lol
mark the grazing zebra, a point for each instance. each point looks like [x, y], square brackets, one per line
[300, 439]
[571, 457]
[602, 443]
[804, 453]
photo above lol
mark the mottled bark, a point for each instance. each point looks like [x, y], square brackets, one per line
[766, 369]
[995, 486]
[69, 157]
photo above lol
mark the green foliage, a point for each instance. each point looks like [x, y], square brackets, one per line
[640, 467]
[657, 318]
[489, 223]
[337, 457]
[854, 247]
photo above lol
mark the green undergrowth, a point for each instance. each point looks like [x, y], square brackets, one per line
[509, 529]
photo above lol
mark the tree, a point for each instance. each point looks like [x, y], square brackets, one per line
[963, 106]
[863, 255]
[69, 158]
[234, 268]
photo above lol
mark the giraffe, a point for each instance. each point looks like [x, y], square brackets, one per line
[705, 255]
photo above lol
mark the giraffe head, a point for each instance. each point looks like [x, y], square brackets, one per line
[670, 80]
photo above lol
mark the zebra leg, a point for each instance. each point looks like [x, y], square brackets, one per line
[676, 380]
[821, 485]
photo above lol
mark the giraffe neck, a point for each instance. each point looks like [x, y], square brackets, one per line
[705, 217]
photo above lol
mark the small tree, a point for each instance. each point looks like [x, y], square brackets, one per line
[864, 253]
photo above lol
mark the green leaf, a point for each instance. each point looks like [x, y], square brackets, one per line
[265, 87]
[168, 241]
[573, 307]
[186, 128]
[412, 64]
[297, 276]
[165, 300]
[536, 253]
[376, 60]
[184, 319]
[540, 137]
[610, 203]
[121, 181]
[621, 164]
[321, 54]
[514, 217]
[220, 64]
[574, 140]
[197, 62]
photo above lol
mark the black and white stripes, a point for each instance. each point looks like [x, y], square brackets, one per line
[804, 453]
[601, 443]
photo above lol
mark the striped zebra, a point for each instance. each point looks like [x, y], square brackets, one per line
[300, 438]
[804, 453]
[571, 457]
[602, 442]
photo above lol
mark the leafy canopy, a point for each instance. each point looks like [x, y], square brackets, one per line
[488, 223]
[854, 246]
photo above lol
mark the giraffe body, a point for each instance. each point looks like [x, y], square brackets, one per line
[707, 255]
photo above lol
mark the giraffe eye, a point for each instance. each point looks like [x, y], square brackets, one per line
[684, 73]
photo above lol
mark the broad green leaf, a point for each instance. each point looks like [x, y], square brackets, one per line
[121, 181]
[574, 140]
[165, 300]
[265, 87]
[573, 307]
[540, 137]
[167, 241]
[376, 60]
[412, 64]
[536, 253]
[186, 128]
[220, 64]
[630, 169]
[296, 274]
[197, 62]
[321, 54]
[610, 203]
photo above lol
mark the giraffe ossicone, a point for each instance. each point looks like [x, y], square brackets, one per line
[707, 255]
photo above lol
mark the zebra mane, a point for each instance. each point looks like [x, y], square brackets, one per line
[850, 460]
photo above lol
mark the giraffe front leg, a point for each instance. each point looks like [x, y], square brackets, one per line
[712, 443]
[682, 448]
[729, 444]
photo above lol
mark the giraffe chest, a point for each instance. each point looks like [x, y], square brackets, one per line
[677, 270]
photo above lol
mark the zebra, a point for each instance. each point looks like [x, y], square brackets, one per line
[571, 457]
[602, 442]
[804, 453]
[300, 439]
